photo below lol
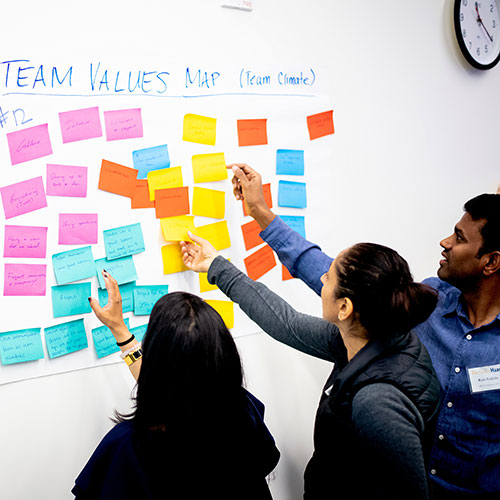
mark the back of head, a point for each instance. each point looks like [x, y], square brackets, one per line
[486, 206]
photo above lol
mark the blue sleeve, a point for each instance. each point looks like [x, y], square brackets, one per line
[303, 259]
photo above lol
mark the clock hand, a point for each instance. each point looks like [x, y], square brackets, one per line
[479, 20]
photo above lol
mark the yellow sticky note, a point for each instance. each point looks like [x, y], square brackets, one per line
[216, 233]
[205, 286]
[172, 259]
[163, 179]
[209, 168]
[200, 129]
[225, 308]
[176, 228]
[209, 203]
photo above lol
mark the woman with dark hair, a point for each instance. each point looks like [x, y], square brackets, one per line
[194, 432]
[375, 420]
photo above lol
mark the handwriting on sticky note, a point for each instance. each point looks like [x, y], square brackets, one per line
[251, 236]
[266, 188]
[292, 194]
[140, 198]
[66, 180]
[123, 124]
[117, 179]
[104, 342]
[127, 293]
[176, 228]
[77, 229]
[252, 132]
[123, 270]
[209, 168]
[29, 144]
[146, 160]
[320, 125]
[217, 234]
[123, 241]
[145, 297]
[226, 310]
[199, 129]
[209, 202]
[25, 279]
[260, 262]
[296, 222]
[171, 202]
[289, 162]
[164, 179]
[65, 338]
[80, 124]
[20, 346]
[73, 265]
[68, 300]
[23, 197]
[25, 241]
[172, 259]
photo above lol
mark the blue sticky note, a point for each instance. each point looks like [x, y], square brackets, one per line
[148, 159]
[123, 241]
[123, 270]
[289, 162]
[65, 338]
[145, 298]
[73, 265]
[127, 293]
[21, 345]
[68, 300]
[296, 222]
[139, 332]
[292, 194]
[104, 342]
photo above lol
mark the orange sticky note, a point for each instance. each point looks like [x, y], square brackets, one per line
[216, 233]
[209, 202]
[320, 125]
[171, 201]
[117, 179]
[267, 198]
[172, 259]
[252, 132]
[163, 179]
[260, 262]
[285, 274]
[251, 236]
[225, 308]
[140, 198]
[199, 129]
[209, 167]
[176, 228]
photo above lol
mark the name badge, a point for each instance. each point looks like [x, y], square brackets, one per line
[484, 378]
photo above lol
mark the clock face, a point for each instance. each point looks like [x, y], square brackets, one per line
[477, 25]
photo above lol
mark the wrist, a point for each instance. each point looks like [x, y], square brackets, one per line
[120, 332]
[263, 216]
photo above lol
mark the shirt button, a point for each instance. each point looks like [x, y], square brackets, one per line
[433, 472]
[440, 437]
[468, 337]
[457, 369]
[449, 404]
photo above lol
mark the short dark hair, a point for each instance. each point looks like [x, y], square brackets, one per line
[486, 206]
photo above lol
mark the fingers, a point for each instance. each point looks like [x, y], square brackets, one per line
[240, 176]
[238, 194]
[94, 305]
[112, 287]
[196, 239]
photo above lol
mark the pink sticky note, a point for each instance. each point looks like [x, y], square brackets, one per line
[80, 124]
[123, 124]
[23, 197]
[24, 279]
[66, 180]
[29, 144]
[77, 229]
[25, 241]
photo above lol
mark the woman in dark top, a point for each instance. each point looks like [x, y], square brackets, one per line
[376, 415]
[194, 432]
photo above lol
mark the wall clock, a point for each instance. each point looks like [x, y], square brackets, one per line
[477, 26]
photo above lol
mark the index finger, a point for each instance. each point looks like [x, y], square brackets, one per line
[111, 285]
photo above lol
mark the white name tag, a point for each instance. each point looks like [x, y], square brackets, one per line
[484, 378]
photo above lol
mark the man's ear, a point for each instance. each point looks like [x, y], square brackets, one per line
[346, 309]
[492, 264]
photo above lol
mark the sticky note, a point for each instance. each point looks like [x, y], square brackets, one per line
[66, 180]
[292, 194]
[117, 179]
[25, 279]
[172, 259]
[77, 229]
[65, 338]
[285, 274]
[80, 124]
[127, 293]
[139, 332]
[20, 346]
[148, 159]
[209, 167]
[25, 241]
[163, 179]
[123, 124]
[289, 162]
[123, 270]
[251, 236]
[29, 144]
[140, 198]
[225, 308]
[123, 241]
[209, 203]
[73, 265]
[260, 262]
[145, 297]
[252, 132]
[216, 233]
[23, 197]
[205, 286]
[296, 222]
[320, 124]
[171, 202]
[104, 342]
[68, 300]
[176, 228]
[199, 129]
[266, 188]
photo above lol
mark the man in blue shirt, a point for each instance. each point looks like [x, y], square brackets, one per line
[462, 335]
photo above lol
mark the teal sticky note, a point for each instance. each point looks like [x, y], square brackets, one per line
[65, 338]
[296, 222]
[292, 194]
[68, 300]
[139, 332]
[123, 241]
[104, 342]
[289, 162]
[20, 346]
[123, 270]
[127, 293]
[73, 265]
[145, 297]
[148, 159]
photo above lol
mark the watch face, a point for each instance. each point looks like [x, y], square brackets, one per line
[477, 25]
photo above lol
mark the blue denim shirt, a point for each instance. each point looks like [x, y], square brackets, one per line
[466, 452]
